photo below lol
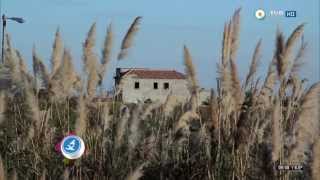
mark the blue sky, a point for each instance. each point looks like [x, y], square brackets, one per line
[166, 26]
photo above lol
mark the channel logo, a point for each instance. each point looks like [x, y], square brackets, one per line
[72, 147]
[260, 14]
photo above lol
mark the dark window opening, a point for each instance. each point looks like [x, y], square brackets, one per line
[136, 85]
[166, 85]
[155, 85]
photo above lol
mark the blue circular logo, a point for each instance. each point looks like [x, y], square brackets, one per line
[72, 147]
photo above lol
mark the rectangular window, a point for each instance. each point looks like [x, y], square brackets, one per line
[165, 85]
[136, 85]
[155, 85]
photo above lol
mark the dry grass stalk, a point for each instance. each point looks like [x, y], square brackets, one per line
[316, 161]
[254, 63]
[122, 125]
[57, 51]
[307, 126]
[106, 52]
[2, 170]
[106, 117]
[192, 79]
[81, 122]
[276, 131]
[214, 110]
[128, 39]
[3, 104]
[14, 175]
[136, 174]
[43, 176]
[134, 133]
[66, 174]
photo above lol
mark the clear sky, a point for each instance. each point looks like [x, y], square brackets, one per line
[166, 26]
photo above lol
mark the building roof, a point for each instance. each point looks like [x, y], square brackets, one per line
[154, 74]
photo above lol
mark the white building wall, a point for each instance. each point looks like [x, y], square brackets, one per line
[178, 88]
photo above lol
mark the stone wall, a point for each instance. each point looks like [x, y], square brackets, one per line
[178, 88]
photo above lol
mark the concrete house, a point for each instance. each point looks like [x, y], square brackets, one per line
[142, 84]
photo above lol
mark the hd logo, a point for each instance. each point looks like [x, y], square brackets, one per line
[291, 13]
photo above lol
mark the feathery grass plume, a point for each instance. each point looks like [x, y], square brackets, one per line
[128, 39]
[295, 35]
[269, 83]
[185, 119]
[276, 132]
[81, 122]
[235, 34]
[33, 105]
[169, 105]
[254, 63]
[225, 54]
[57, 51]
[11, 61]
[91, 61]
[23, 67]
[192, 79]
[106, 53]
[136, 174]
[122, 125]
[93, 80]
[148, 110]
[223, 68]
[298, 60]
[2, 170]
[39, 69]
[279, 51]
[307, 126]
[63, 80]
[316, 161]
[284, 49]
[3, 104]
[236, 85]
[89, 56]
